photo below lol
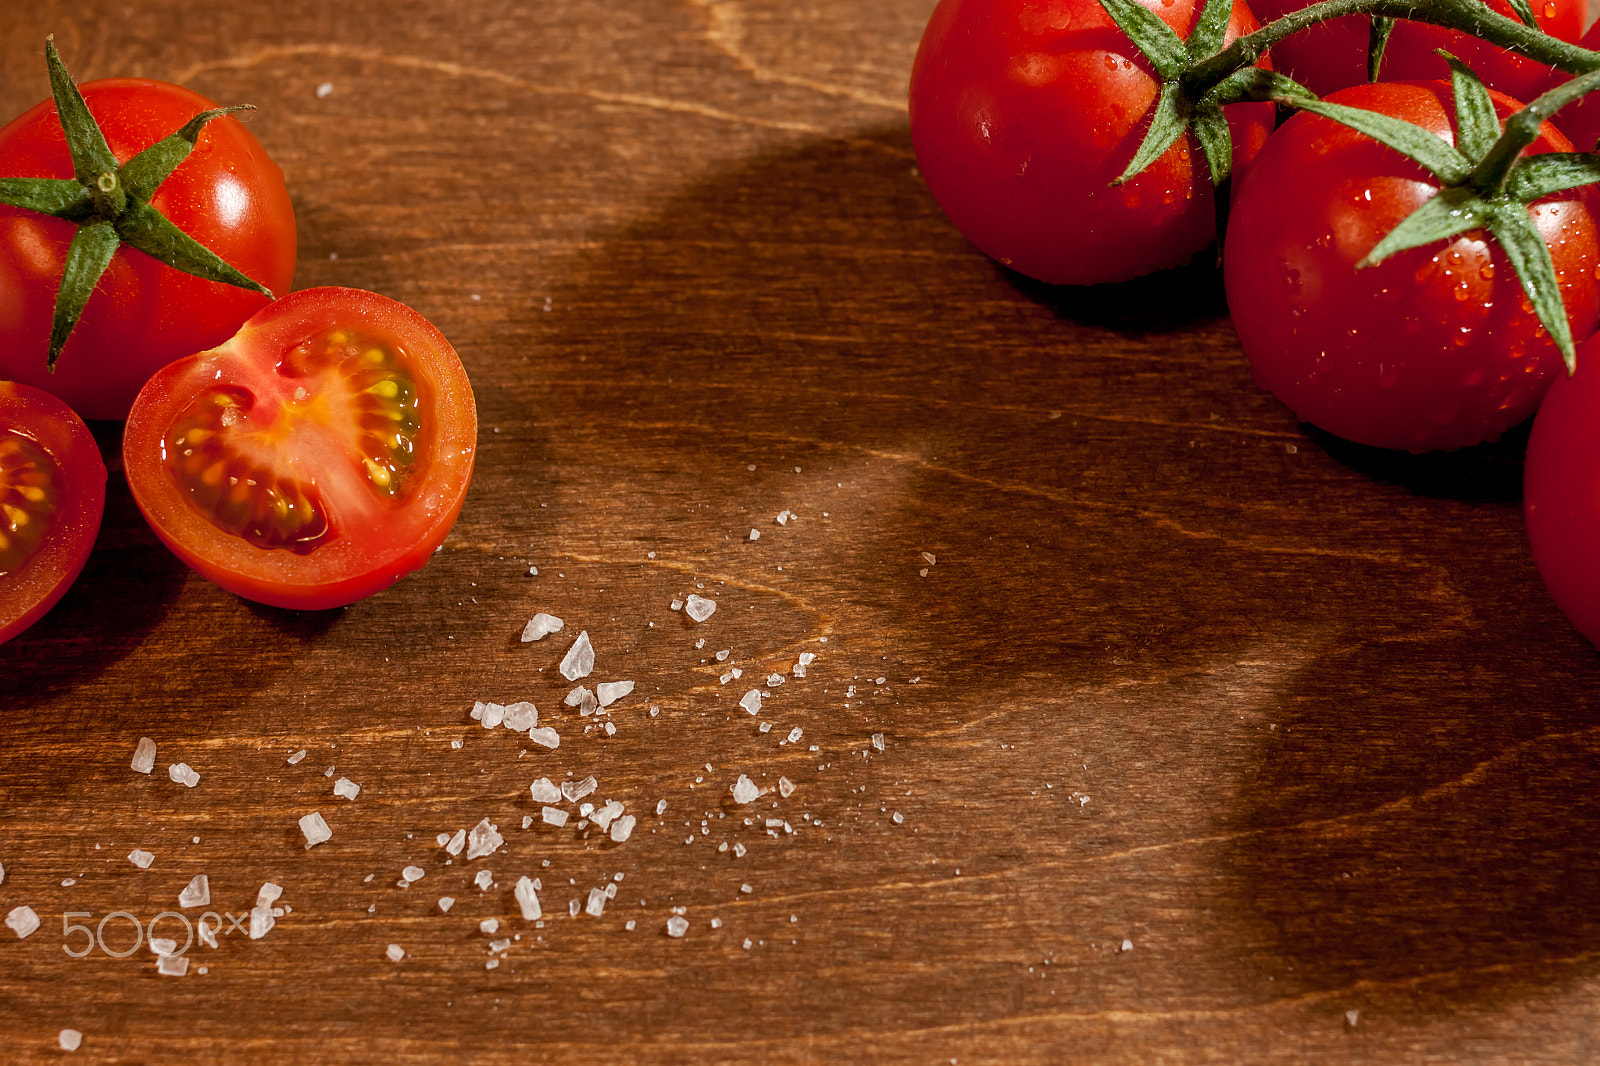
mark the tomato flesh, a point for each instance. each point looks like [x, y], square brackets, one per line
[52, 495]
[314, 458]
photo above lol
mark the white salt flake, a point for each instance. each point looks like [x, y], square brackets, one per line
[483, 840]
[544, 791]
[609, 692]
[540, 626]
[160, 945]
[23, 921]
[183, 774]
[746, 889]
[521, 716]
[751, 701]
[484, 879]
[877, 741]
[755, 534]
[607, 814]
[745, 790]
[897, 818]
[172, 965]
[457, 842]
[622, 828]
[144, 755]
[270, 893]
[774, 680]
[785, 787]
[545, 737]
[489, 926]
[807, 658]
[554, 816]
[346, 788]
[661, 808]
[677, 604]
[597, 903]
[579, 660]
[315, 829]
[576, 790]
[207, 933]
[699, 608]
[2, 874]
[1127, 945]
[413, 873]
[795, 734]
[739, 850]
[493, 715]
[476, 714]
[677, 925]
[528, 900]
[324, 90]
[197, 893]
[929, 558]
[394, 953]
[576, 697]
[141, 858]
[1353, 1017]
[69, 1039]
[261, 922]
[446, 902]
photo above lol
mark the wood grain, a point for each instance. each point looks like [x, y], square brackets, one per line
[1205, 730]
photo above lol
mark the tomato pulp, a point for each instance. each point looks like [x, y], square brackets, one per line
[313, 459]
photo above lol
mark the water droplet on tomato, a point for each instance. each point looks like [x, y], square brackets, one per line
[1291, 276]
[1486, 272]
[1549, 9]
[1111, 62]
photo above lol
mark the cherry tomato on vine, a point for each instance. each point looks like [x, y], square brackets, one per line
[1332, 55]
[227, 194]
[315, 458]
[1024, 112]
[52, 495]
[1561, 492]
[1436, 347]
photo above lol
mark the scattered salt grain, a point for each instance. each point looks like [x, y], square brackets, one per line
[554, 816]
[877, 741]
[755, 534]
[544, 791]
[677, 925]
[172, 965]
[765, 727]
[446, 902]
[23, 921]
[1353, 1017]
[545, 737]
[795, 734]
[315, 829]
[141, 858]
[677, 604]
[661, 808]
[527, 899]
[746, 889]
[455, 844]
[807, 658]
[160, 945]
[2, 874]
[774, 680]
[716, 923]
[745, 790]
[573, 907]
[898, 818]
[413, 873]
[576, 790]
[197, 893]
[576, 697]
[699, 608]
[324, 90]
[476, 714]
[609, 692]
[1127, 945]
[521, 716]
[489, 926]
[70, 1039]
[183, 774]
[785, 787]
[261, 922]
[622, 828]
[394, 952]
[929, 558]
[144, 755]
[739, 850]
[483, 840]
[484, 880]
[783, 517]
[346, 788]
[540, 626]
[607, 814]
[751, 701]
[493, 715]
[597, 903]
[207, 934]
[579, 659]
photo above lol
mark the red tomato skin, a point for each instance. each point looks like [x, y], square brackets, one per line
[362, 557]
[1561, 492]
[27, 595]
[228, 194]
[1023, 113]
[1434, 348]
[1580, 120]
[1332, 55]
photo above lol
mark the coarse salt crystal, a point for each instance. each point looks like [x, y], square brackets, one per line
[545, 737]
[579, 659]
[455, 844]
[484, 879]
[699, 608]
[898, 817]
[661, 807]
[929, 558]
[493, 715]
[394, 952]
[755, 534]
[576, 697]
[483, 840]
[528, 900]
[521, 716]
[141, 858]
[795, 734]
[476, 714]
[554, 816]
[544, 791]
[69, 1039]
[745, 790]
[172, 965]
[197, 893]
[607, 814]
[346, 788]
[144, 755]
[269, 894]
[1127, 945]
[160, 945]
[413, 873]
[489, 926]
[746, 889]
[315, 829]
[597, 903]
[576, 790]
[261, 922]
[609, 692]
[774, 680]
[540, 626]
[622, 828]
[739, 850]
[807, 658]
[877, 741]
[183, 774]
[785, 787]
[324, 90]
[751, 701]
[23, 921]
[677, 925]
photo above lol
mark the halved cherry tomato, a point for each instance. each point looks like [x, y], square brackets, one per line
[313, 459]
[52, 495]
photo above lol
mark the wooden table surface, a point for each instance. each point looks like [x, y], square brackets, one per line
[1204, 737]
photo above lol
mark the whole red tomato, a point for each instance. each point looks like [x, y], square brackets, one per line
[227, 194]
[1332, 55]
[1024, 112]
[52, 494]
[1436, 347]
[316, 457]
[1561, 492]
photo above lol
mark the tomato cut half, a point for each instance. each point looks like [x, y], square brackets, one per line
[52, 495]
[315, 458]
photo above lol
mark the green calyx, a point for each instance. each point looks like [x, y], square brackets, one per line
[109, 203]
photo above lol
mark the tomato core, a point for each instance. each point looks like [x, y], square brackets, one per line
[30, 489]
